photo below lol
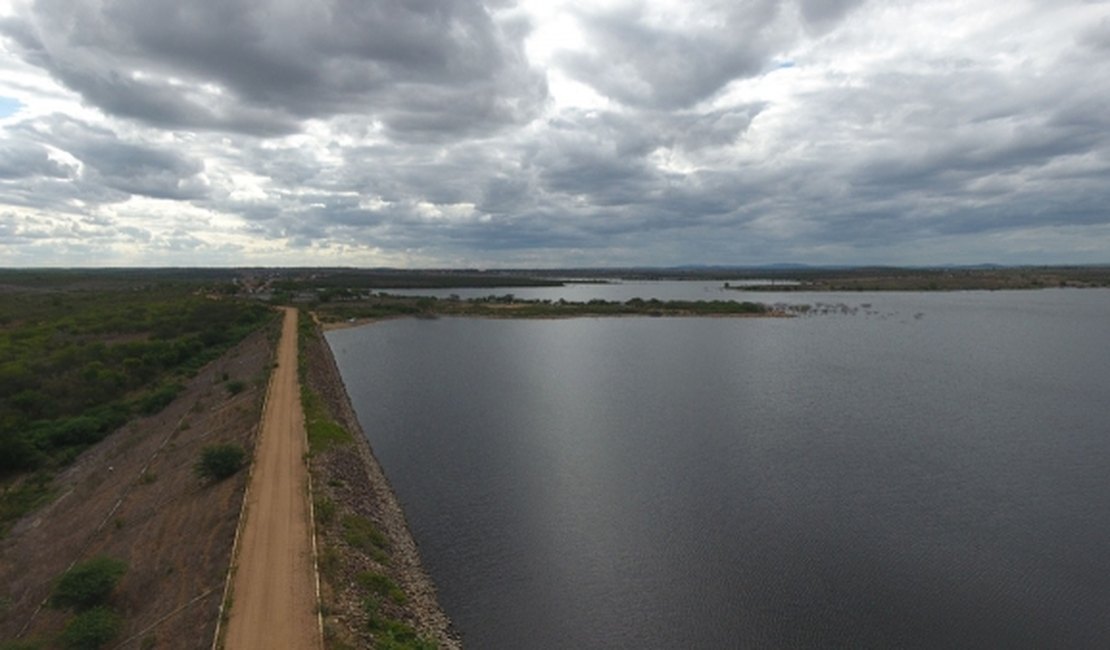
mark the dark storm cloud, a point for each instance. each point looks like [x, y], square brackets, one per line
[424, 69]
[954, 148]
[695, 132]
[820, 15]
[641, 63]
[21, 160]
[586, 177]
[112, 163]
[608, 160]
[756, 130]
[583, 181]
[32, 176]
[1097, 36]
[62, 166]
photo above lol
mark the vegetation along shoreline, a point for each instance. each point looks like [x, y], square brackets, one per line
[374, 589]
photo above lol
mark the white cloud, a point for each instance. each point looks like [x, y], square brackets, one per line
[555, 133]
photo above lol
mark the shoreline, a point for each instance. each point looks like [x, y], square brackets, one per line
[331, 326]
[377, 496]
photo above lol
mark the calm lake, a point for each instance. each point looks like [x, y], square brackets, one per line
[906, 470]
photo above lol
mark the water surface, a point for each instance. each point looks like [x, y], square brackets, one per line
[929, 471]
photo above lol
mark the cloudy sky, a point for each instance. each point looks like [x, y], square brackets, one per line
[547, 133]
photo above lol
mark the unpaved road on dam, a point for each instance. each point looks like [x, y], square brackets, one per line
[273, 591]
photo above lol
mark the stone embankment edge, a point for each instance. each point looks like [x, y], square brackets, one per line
[447, 635]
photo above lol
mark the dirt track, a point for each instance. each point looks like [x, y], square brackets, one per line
[274, 587]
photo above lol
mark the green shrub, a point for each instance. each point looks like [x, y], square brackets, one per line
[17, 452]
[325, 510]
[391, 634]
[24, 496]
[381, 585]
[218, 462]
[92, 629]
[236, 386]
[329, 563]
[88, 584]
[360, 533]
[159, 399]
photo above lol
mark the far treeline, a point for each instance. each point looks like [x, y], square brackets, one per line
[938, 279]
[325, 285]
[82, 354]
[508, 306]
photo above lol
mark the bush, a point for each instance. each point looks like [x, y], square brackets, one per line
[88, 584]
[17, 452]
[24, 496]
[155, 401]
[360, 533]
[81, 430]
[218, 462]
[325, 510]
[380, 585]
[390, 633]
[236, 386]
[92, 629]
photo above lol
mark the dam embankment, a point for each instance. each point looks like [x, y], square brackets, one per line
[373, 583]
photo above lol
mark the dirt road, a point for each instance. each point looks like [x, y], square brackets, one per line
[274, 587]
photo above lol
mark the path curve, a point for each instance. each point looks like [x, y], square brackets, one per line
[273, 592]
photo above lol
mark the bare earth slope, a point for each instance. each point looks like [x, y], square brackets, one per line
[274, 586]
[134, 497]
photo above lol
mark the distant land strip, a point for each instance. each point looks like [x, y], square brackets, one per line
[382, 306]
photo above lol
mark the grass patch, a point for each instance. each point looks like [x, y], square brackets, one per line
[332, 639]
[323, 432]
[324, 509]
[361, 533]
[329, 563]
[381, 585]
[391, 634]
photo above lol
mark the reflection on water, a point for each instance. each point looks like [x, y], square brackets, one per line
[928, 473]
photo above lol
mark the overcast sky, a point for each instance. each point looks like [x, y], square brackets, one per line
[546, 133]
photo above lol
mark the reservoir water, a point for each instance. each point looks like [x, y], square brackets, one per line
[908, 470]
